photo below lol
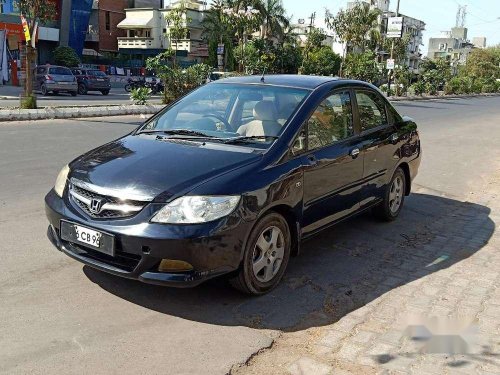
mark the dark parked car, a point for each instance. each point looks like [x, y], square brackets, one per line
[91, 80]
[55, 79]
[231, 178]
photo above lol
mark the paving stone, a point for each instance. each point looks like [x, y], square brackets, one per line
[349, 351]
[309, 366]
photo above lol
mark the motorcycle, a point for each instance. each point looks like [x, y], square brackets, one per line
[134, 84]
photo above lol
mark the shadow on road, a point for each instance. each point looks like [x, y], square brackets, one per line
[339, 271]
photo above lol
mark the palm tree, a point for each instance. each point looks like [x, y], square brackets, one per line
[274, 19]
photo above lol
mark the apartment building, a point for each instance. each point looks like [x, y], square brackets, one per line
[454, 46]
[148, 32]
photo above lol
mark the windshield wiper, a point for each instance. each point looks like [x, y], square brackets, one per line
[177, 132]
[246, 139]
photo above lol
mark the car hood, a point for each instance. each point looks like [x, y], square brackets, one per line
[143, 166]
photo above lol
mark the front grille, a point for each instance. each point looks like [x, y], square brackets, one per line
[112, 207]
[124, 261]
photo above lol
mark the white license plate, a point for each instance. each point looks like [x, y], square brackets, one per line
[88, 236]
[100, 79]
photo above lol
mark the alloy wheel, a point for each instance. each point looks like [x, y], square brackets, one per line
[396, 194]
[268, 254]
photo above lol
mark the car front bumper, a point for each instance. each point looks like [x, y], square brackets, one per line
[212, 248]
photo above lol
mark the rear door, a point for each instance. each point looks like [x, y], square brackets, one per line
[334, 171]
[378, 143]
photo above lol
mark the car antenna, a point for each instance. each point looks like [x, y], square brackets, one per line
[263, 74]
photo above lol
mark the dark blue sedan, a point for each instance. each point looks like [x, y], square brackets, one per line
[231, 178]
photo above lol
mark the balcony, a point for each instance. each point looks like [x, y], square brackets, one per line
[136, 42]
[189, 45]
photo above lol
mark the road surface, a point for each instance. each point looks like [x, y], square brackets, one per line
[61, 317]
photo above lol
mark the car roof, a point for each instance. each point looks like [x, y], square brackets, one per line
[290, 80]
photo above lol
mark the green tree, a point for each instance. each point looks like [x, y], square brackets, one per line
[35, 11]
[362, 66]
[482, 63]
[66, 56]
[356, 28]
[216, 30]
[274, 18]
[177, 21]
[322, 61]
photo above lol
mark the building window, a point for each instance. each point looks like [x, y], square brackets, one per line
[108, 21]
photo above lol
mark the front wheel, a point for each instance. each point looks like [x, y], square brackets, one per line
[390, 207]
[43, 89]
[128, 87]
[266, 256]
[73, 93]
[105, 92]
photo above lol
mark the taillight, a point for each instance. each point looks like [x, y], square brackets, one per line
[48, 77]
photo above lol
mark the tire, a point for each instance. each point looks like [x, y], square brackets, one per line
[128, 88]
[394, 197]
[82, 89]
[267, 251]
[55, 92]
[105, 92]
[73, 93]
[43, 89]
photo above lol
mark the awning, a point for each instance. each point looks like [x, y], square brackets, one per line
[136, 22]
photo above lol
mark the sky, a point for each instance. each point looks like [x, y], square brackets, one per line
[439, 15]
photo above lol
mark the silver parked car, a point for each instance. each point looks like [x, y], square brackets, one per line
[55, 79]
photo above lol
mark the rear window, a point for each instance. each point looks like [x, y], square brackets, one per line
[97, 73]
[61, 71]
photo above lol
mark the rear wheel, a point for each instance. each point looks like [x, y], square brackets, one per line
[105, 92]
[82, 89]
[55, 92]
[73, 93]
[266, 256]
[392, 204]
[128, 88]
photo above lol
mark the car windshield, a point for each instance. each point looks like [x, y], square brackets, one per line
[61, 71]
[244, 114]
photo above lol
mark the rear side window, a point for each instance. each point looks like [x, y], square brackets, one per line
[371, 110]
[97, 73]
[60, 70]
[331, 121]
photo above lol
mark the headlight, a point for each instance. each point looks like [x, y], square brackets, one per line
[61, 181]
[196, 209]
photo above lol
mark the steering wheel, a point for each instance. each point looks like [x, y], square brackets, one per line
[221, 119]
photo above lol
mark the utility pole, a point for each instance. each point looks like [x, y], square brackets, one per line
[392, 56]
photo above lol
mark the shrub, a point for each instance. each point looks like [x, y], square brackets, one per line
[140, 95]
[488, 88]
[453, 86]
[418, 88]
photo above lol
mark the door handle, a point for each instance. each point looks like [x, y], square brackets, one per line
[354, 153]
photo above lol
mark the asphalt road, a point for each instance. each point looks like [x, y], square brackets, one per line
[9, 97]
[61, 317]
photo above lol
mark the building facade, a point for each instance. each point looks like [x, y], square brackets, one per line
[148, 32]
[454, 46]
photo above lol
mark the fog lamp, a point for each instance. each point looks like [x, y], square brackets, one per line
[171, 265]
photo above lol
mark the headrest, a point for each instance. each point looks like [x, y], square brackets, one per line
[265, 111]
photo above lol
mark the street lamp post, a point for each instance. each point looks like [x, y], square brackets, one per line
[392, 53]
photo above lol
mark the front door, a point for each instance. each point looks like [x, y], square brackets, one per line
[334, 171]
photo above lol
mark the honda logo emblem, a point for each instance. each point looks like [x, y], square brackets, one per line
[96, 205]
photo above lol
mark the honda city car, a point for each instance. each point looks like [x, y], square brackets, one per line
[230, 179]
